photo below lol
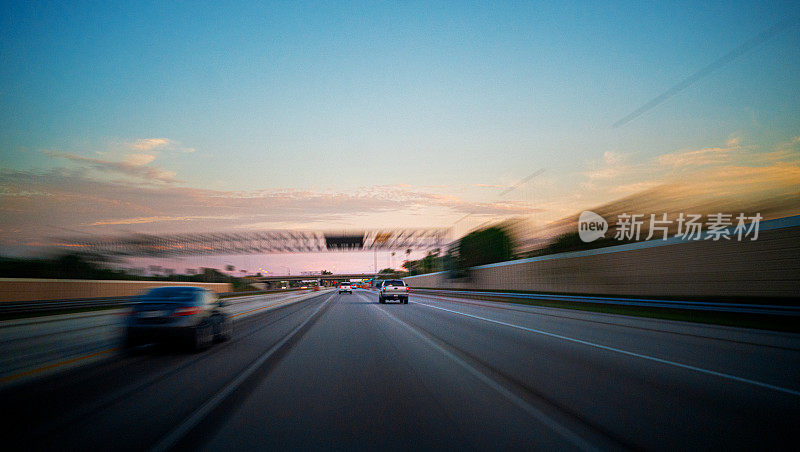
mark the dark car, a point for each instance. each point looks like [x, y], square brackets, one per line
[189, 315]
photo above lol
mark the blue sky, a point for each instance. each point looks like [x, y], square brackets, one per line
[446, 99]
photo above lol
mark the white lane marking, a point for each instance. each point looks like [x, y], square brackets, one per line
[179, 432]
[629, 353]
[288, 300]
[276, 304]
[551, 423]
[364, 297]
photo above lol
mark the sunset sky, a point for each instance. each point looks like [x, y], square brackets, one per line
[120, 117]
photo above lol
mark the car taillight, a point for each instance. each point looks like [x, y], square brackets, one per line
[192, 310]
[406, 288]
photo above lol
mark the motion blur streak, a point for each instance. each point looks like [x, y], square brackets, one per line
[10, 378]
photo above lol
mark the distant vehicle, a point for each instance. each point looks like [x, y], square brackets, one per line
[304, 287]
[345, 287]
[191, 315]
[393, 289]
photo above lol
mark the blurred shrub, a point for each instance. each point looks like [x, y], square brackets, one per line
[428, 264]
[484, 246]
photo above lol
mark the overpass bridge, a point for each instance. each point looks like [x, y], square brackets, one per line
[339, 277]
[324, 278]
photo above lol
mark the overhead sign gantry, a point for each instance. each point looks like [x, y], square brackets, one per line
[262, 242]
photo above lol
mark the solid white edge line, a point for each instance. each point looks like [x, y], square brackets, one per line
[549, 422]
[181, 430]
[626, 352]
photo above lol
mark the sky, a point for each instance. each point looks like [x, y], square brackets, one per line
[120, 117]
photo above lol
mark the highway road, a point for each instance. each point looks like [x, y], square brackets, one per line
[344, 372]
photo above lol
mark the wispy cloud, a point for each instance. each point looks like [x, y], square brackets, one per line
[707, 156]
[148, 144]
[612, 165]
[157, 219]
[134, 165]
[139, 159]
[151, 144]
[635, 187]
[722, 175]
[614, 158]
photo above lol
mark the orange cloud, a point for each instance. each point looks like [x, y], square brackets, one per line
[708, 156]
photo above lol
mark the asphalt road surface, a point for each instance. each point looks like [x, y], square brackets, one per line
[344, 372]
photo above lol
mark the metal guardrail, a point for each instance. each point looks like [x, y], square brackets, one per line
[737, 308]
[37, 307]
[70, 304]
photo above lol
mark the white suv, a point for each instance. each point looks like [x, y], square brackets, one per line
[345, 287]
[393, 289]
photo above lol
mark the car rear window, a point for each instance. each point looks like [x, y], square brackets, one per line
[171, 295]
[394, 282]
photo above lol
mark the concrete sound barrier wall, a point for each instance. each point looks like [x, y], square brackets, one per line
[766, 267]
[30, 289]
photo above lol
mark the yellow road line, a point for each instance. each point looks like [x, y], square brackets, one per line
[8, 378]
